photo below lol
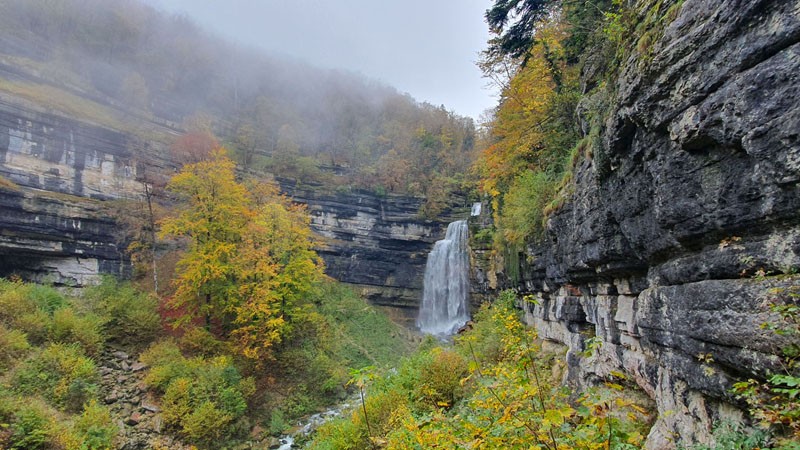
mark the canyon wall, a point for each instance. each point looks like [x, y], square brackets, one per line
[377, 243]
[685, 223]
[57, 227]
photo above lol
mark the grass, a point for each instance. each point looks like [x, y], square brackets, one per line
[65, 102]
[368, 336]
[72, 105]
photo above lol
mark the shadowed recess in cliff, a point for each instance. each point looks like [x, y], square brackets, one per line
[446, 290]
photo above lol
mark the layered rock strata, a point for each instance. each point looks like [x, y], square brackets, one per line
[378, 244]
[55, 226]
[686, 224]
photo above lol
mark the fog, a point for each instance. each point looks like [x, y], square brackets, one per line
[274, 113]
[424, 47]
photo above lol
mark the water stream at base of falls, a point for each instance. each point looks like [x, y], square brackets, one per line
[444, 306]
[309, 424]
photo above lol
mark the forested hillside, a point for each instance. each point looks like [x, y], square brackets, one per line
[274, 114]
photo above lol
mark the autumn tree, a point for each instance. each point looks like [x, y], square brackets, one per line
[277, 270]
[213, 218]
[248, 261]
[197, 144]
[532, 133]
[519, 125]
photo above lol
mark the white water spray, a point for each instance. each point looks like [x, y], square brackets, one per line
[444, 299]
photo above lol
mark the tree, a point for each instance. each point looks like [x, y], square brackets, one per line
[213, 217]
[518, 127]
[249, 260]
[514, 22]
[197, 144]
[245, 140]
[277, 270]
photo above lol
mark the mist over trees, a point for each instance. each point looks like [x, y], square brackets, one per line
[274, 113]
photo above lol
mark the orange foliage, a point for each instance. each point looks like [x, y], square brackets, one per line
[193, 147]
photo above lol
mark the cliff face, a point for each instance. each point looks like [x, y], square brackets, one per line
[378, 244]
[687, 223]
[56, 225]
[53, 226]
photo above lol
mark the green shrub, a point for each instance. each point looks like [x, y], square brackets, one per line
[45, 298]
[60, 373]
[18, 298]
[27, 423]
[131, 317]
[85, 330]
[14, 302]
[13, 346]
[30, 308]
[206, 423]
[198, 341]
[94, 427]
[204, 398]
[733, 436]
[31, 429]
[340, 434]
[36, 325]
[440, 380]
[166, 364]
[299, 403]
[277, 423]
[523, 208]
[380, 409]
[484, 342]
[484, 236]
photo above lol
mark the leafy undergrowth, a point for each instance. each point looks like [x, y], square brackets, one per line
[495, 388]
[209, 394]
[339, 333]
[49, 382]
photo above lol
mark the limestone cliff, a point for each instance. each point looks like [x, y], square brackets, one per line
[56, 226]
[686, 219]
[376, 243]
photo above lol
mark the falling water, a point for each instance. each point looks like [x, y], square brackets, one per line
[444, 297]
[476, 209]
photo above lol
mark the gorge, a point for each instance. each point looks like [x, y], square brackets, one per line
[660, 252]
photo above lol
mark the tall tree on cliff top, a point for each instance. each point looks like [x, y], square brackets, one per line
[514, 22]
[248, 259]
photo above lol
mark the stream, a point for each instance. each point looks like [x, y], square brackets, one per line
[308, 425]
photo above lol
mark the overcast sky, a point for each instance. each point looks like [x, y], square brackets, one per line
[427, 48]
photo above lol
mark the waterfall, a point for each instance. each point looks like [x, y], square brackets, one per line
[476, 209]
[446, 290]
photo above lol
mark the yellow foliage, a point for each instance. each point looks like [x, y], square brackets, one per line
[518, 128]
[249, 259]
